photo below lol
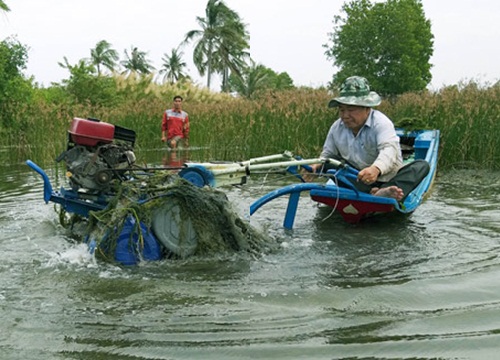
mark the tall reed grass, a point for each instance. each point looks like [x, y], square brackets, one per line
[468, 117]
[298, 120]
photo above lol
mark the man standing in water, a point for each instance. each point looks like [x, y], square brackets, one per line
[366, 139]
[175, 125]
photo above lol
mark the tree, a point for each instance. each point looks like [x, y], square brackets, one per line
[256, 78]
[390, 43]
[83, 66]
[15, 89]
[173, 66]
[3, 6]
[221, 41]
[85, 87]
[231, 55]
[103, 55]
[136, 62]
[283, 81]
[253, 79]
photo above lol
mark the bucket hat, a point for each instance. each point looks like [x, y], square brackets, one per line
[355, 90]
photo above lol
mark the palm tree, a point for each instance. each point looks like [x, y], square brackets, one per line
[3, 6]
[231, 56]
[103, 55]
[82, 69]
[221, 41]
[83, 65]
[173, 66]
[136, 62]
[253, 79]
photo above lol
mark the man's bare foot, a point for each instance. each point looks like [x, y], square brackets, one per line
[390, 192]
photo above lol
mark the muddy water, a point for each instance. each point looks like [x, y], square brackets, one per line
[424, 287]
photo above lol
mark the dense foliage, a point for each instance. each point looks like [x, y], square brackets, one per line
[237, 128]
[390, 43]
[258, 78]
[15, 89]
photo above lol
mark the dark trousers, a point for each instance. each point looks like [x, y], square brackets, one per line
[407, 178]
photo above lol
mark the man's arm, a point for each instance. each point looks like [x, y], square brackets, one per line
[185, 131]
[388, 157]
[164, 127]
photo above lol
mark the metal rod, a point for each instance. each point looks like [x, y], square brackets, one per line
[222, 165]
[236, 168]
[285, 155]
[151, 169]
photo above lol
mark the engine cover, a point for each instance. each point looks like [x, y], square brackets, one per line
[97, 154]
[93, 169]
[90, 132]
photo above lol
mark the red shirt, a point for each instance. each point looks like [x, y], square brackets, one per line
[175, 123]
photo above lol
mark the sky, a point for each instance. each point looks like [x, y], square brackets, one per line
[285, 35]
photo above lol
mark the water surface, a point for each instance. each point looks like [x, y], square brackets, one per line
[418, 287]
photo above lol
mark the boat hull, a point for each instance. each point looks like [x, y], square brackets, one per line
[354, 205]
[353, 211]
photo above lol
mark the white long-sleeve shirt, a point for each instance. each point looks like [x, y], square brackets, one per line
[375, 144]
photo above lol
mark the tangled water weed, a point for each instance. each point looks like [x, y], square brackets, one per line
[214, 226]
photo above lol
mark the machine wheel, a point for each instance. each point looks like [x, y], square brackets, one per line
[173, 231]
[195, 176]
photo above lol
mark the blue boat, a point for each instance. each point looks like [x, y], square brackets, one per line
[353, 205]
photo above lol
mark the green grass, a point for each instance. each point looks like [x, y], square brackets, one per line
[468, 116]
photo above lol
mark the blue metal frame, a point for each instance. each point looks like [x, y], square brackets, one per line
[128, 250]
[294, 191]
[426, 147]
[70, 200]
[293, 201]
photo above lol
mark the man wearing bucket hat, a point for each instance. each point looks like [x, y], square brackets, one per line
[366, 139]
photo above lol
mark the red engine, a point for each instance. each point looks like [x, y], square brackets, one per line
[91, 132]
[97, 153]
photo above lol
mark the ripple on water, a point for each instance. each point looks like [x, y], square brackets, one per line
[421, 287]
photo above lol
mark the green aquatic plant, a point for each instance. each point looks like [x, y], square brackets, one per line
[233, 128]
[214, 227]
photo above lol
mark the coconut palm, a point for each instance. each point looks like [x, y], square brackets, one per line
[82, 67]
[136, 62]
[231, 56]
[3, 6]
[221, 40]
[173, 66]
[254, 78]
[103, 55]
